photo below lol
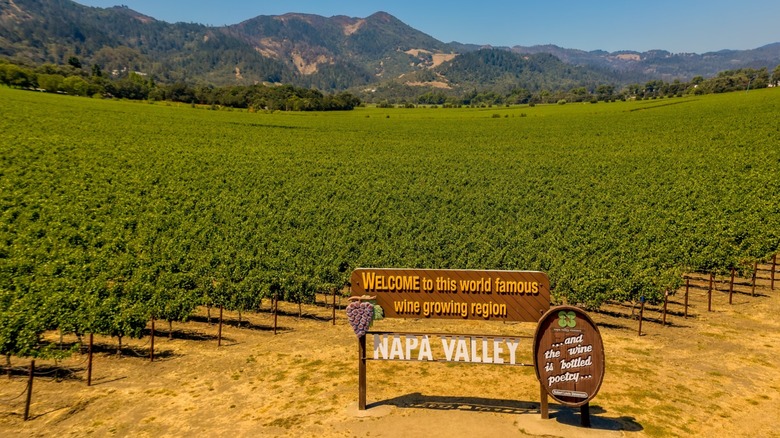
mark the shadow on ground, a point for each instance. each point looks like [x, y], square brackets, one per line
[559, 413]
[571, 417]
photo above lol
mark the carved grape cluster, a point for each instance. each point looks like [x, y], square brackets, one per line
[360, 314]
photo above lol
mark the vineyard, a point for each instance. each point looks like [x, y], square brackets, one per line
[113, 213]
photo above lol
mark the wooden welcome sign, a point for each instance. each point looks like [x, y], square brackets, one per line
[568, 353]
[456, 294]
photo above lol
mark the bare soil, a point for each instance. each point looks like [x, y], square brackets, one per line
[711, 374]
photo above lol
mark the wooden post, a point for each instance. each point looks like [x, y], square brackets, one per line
[544, 406]
[687, 286]
[362, 373]
[219, 333]
[731, 286]
[666, 302]
[276, 309]
[755, 269]
[151, 341]
[29, 390]
[89, 360]
[709, 293]
[772, 277]
[585, 415]
[641, 314]
[334, 307]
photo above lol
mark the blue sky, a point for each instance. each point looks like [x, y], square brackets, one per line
[678, 26]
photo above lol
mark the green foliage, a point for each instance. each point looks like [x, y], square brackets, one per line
[138, 86]
[735, 80]
[330, 54]
[502, 72]
[113, 212]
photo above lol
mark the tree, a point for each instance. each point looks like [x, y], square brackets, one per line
[75, 85]
[74, 62]
[633, 90]
[50, 83]
[653, 88]
[758, 78]
[605, 92]
[16, 76]
[519, 96]
[135, 87]
[432, 98]
[776, 76]
[181, 92]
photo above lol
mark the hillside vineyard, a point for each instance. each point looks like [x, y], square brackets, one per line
[112, 213]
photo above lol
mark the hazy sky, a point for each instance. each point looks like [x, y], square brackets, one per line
[678, 26]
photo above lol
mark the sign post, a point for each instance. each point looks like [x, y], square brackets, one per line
[362, 373]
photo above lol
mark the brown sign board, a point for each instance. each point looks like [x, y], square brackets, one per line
[569, 355]
[522, 296]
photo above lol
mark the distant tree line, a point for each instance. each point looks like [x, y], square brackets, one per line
[726, 81]
[75, 79]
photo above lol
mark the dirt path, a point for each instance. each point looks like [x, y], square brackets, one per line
[715, 373]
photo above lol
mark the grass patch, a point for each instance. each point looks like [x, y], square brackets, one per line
[639, 351]
[331, 373]
[315, 363]
[284, 422]
[656, 430]
[279, 375]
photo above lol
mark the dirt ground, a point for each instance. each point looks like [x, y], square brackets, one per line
[712, 374]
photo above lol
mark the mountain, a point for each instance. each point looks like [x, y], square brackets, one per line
[328, 53]
[120, 39]
[339, 52]
[503, 71]
[631, 66]
[307, 50]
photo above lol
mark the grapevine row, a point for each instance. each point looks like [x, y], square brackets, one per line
[112, 213]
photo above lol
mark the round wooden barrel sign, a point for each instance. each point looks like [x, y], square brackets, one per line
[569, 355]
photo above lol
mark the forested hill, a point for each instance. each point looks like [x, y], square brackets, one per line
[119, 40]
[340, 52]
[330, 54]
[502, 71]
[633, 66]
[305, 50]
